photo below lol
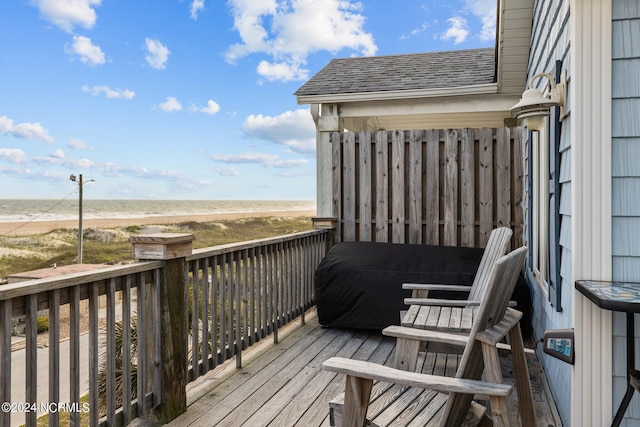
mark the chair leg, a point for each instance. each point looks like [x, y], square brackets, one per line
[406, 354]
[356, 401]
[493, 373]
[523, 384]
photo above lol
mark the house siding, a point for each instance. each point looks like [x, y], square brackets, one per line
[551, 42]
[625, 169]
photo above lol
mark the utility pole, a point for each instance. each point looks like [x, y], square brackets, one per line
[80, 230]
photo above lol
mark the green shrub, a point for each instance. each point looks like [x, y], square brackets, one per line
[43, 323]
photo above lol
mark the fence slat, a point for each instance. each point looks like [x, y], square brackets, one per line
[336, 167]
[485, 185]
[126, 351]
[503, 178]
[451, 189]
[382, 187]
[398, 188]
[415, 187]
[467, 189]
[349, 186]
[432, 178]
[74, 353]
[111, 352]
[94, 304]
[365, 186]
[518, 201]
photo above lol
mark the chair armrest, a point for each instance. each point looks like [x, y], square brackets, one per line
[436, 287]
[374, 371]
[441, 302]
[426, 335]
[501, 329]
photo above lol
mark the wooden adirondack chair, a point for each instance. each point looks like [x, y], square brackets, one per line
[417, 398]
[497, 246]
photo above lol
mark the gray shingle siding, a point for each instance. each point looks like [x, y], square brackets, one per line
[433, 70]
[550, 42]
[625, 168]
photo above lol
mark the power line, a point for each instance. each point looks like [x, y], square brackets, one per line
[41, 213]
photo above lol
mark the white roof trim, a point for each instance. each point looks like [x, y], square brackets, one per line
[490, 88]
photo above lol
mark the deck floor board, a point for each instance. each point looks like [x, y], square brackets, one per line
[284, 385]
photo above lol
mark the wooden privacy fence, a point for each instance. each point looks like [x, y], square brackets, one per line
[438, 187]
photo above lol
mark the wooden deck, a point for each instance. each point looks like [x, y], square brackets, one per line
[283, 384]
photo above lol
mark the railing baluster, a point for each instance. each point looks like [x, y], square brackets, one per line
[111, 352]
[93, 353]
[223, 306]
[31, 374]
[5, 359]
[74, 353]
[141, 389]
[238, 310]
[215, 331]
[194, 319]
[126, 351]
[54, 355]
[157, 344]
[205, 315]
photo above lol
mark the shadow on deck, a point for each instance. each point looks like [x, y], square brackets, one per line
[283, 384]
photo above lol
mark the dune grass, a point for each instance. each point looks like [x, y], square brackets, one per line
[111, 246]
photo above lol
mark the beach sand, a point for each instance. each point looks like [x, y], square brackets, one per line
[14, 229]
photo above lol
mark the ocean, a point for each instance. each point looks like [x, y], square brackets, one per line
[26, 210]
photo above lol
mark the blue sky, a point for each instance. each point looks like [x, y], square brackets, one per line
[189, 99]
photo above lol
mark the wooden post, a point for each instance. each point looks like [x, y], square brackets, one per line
[172, 248]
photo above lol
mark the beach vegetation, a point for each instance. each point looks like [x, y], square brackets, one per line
[42, 324]
[112, 246]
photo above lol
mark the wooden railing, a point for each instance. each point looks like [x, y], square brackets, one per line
[225, 298]
[437, 187]
[244, 292]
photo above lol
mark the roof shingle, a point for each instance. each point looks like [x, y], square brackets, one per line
[433, 70]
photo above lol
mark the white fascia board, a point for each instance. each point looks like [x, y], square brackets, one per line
[440, 106]
[490, 88]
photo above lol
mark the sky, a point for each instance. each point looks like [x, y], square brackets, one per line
[189, 99]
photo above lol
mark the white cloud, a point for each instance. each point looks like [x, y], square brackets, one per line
[170, 105]
[274, 28]
[486, 11]
[14, 155]
[25, 130]
[88, 53]
[57, 154]
[245, 158]
[212, 108]
[108, 92]
[157, 54]
[228, 171]
[293, 129]
[68, 13]
[77, 144]
[196, 7]
[264, 159]
[458, 30]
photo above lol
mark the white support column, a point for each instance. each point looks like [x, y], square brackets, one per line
[590, 91]
[327, 122]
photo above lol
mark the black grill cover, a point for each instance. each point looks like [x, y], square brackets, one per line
[359, 284]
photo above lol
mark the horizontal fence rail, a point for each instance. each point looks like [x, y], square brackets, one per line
[438, 187]
[234, 295]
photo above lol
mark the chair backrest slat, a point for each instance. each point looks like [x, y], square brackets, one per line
[497, 246]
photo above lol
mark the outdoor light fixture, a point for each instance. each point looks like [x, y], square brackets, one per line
[535, 106]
